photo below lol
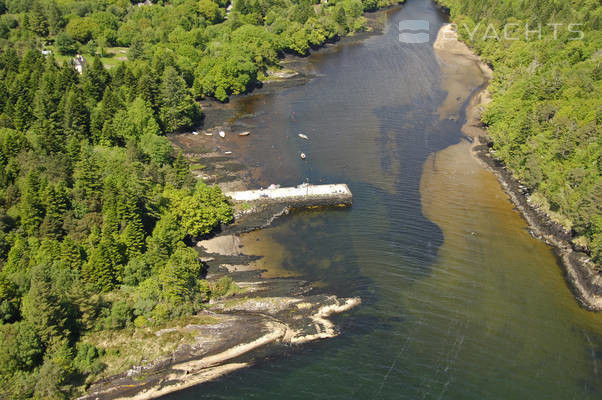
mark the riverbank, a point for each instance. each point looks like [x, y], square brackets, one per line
[581, 274]
[270, 311]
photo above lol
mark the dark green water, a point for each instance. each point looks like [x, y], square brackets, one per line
[459, 301]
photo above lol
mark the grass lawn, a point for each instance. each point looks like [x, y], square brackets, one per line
[112, 56]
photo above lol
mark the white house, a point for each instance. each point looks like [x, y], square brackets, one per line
[79, 63]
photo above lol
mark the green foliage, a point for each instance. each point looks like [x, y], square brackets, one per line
[178, 279]
[224, 287]
[120, 316]
[94, 207]
[86, 359]
[10, 301]
[547, 95]
[20, 348]
[178, 110]
[202, 211]
[43, 308]
[81, 29]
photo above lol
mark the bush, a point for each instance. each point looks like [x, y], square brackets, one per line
[120, 317]
[65, 44]
[141, 322]
[86, 360]
[224, 287]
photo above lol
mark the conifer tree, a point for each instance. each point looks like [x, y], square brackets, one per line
[22, 114]
[95, 80]
[178, 110]
[100, 271]
[133, 237]
[76, 118]
[55, 203]
[148, 88]
[37, 20]
[181, 169]
[43, 308]
[32, 210]
[72, 255]
[87, 187]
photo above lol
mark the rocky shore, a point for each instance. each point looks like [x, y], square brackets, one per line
[584, 278]
[264, 317]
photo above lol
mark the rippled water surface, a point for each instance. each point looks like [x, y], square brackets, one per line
[459, 301]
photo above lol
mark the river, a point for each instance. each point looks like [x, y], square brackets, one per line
[459, 301]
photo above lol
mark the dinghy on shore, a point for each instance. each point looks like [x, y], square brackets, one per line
[247, 133]
[222, 134]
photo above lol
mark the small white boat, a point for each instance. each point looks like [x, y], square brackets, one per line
[227, 153]
[247, 133]
[303, 156]
[303, 136]
[222, 134]
[195, 133]
[208, 134]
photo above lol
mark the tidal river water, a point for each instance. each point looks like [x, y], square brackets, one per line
[459, 301]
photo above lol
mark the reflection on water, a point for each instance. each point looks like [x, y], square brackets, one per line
[459, 301]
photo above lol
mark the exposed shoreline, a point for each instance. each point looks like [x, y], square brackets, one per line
[270, 314]
[581, 276]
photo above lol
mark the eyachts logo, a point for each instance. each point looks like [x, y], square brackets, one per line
[414, 31]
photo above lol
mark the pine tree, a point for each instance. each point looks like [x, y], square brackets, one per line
[76, 118]
[133, 237]
[32, 210]
[178, 110]
[100, 271]
[148, 88]
[10, 301]
[179, 276]
[87, 186]
[55, 203]
[37, 20]
[95, 80]
[43, 308]
[22, 114]
[181, 168]
[72, 255]
[68, 77]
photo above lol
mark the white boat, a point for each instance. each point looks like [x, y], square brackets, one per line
[222, 134]
[227, 152]
[195, 133]
[303, 136]
[208, 134]
[303, 156]
[247, 133]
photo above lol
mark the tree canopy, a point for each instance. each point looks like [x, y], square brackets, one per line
[545, 117]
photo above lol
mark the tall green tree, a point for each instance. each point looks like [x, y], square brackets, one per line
[178, 110]
[32, 209]
[43, 308]
[76, 118]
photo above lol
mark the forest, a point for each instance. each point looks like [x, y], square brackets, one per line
[97, 211]
[546, 114]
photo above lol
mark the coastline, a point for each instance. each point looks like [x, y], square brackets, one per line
[580, 274]
[272, 311]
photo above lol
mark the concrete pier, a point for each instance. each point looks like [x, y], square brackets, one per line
[304, 195]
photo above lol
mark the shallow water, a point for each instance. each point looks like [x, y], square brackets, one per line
[460, 302]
